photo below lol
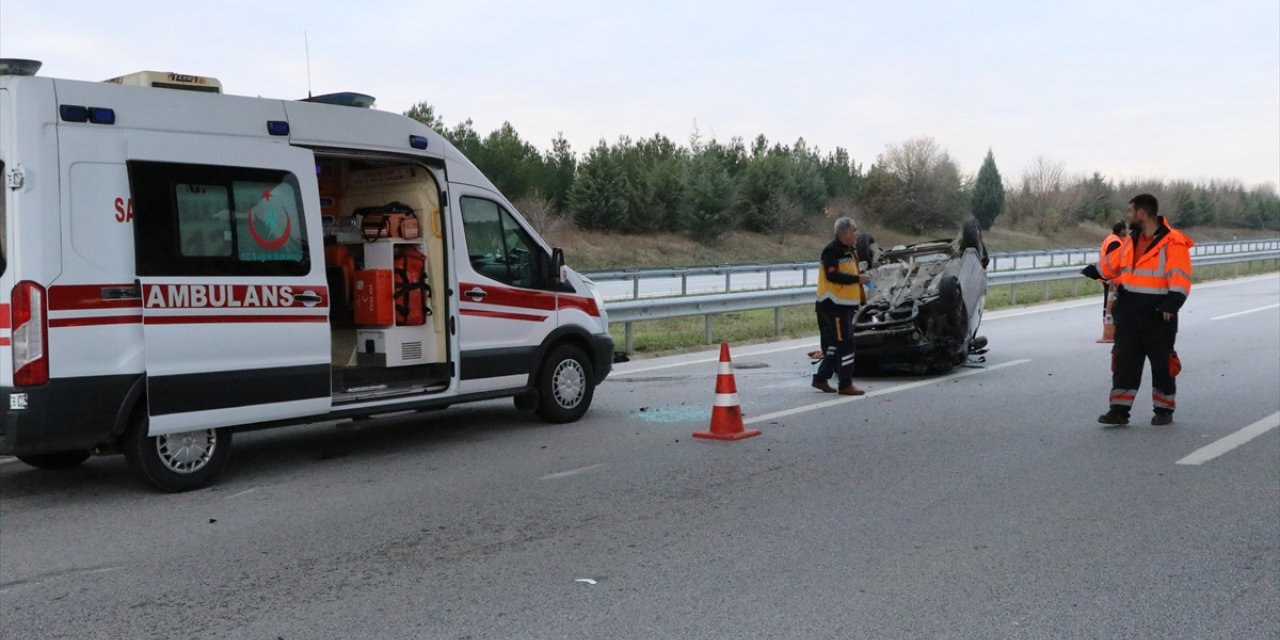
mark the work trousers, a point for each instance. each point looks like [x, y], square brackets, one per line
[1151, 341]
[835, 330]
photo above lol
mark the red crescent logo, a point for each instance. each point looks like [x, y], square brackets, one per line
[272, 245]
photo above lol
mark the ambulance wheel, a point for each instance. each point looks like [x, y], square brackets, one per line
[176, 462]
[56, 461]
[564, 385]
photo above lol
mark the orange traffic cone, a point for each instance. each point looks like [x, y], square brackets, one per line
[1108, 323]
[726, 415]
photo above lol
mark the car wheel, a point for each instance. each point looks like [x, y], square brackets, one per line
[176, 462]
[56, 461]
[971, 235]
[564, 385]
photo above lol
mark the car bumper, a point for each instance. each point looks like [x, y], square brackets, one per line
[602, 355]
[64, 415]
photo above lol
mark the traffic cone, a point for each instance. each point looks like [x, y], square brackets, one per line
[726, 415]
[1108, 323]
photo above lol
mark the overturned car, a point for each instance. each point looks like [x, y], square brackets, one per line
[924, 305]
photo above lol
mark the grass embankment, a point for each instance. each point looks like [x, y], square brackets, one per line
[595, 251]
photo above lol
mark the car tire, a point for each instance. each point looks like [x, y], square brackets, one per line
[56, 461]
[971, 238]
[175, 462]
[564, 386]
[971, 235]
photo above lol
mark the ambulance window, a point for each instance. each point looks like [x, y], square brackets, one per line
[202, 220]
[211, 220]
[499, 248]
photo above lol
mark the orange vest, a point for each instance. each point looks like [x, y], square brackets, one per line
[1106, 242]
[1163, 268]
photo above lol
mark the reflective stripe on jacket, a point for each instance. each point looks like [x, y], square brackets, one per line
[1163, 269]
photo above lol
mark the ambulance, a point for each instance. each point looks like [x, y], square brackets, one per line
[178, 264]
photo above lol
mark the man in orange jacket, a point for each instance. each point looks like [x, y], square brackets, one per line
[1152, 274]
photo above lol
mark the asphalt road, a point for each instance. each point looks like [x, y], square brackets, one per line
[982, 504]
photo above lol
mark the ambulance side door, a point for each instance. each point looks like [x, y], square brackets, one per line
[507, 305]
[231, 269]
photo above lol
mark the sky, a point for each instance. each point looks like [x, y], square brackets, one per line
[1134, 90]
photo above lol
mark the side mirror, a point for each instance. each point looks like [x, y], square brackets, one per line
[557, 264]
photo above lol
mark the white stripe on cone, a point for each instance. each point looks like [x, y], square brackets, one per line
[726, 368]
[726, 400]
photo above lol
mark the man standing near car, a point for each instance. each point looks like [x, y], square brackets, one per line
[840, 292]
[1152, 274]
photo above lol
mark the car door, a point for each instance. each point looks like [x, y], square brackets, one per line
[507, 306]
[234, 296]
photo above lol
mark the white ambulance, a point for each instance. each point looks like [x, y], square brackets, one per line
[177, 263]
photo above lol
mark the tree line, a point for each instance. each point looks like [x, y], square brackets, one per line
[707, 188]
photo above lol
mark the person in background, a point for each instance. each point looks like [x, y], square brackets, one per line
[1109, 244]
[1152, 274]
[840, 291]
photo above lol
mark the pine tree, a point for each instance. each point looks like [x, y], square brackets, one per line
[988, 193]
[710, 196]
[598, 197]
[426, 114]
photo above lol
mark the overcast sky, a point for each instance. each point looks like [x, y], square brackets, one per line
[1131, 89]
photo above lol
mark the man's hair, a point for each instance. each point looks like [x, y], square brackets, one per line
[843, 223]
[1146, 202]
[1118, 228]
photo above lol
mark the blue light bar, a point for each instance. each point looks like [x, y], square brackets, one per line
[102, 115]
[73, 113]
[278, 127]
[418, 142]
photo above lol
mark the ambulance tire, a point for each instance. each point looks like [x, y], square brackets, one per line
[56, 461]
[176, 462]
[564, 385]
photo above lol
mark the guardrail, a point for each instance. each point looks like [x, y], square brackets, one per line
[785, 274]
[630, 311]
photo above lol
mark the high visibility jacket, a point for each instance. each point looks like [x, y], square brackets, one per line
[1106, 245]
[838, 282]
[1159, 280]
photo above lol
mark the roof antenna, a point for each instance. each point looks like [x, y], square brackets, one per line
[307, 44]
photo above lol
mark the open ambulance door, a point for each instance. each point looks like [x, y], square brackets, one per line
[231, 273]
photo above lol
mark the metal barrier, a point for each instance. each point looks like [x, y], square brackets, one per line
[785, 273]
[630, 311]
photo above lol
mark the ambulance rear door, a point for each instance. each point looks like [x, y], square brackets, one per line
[231, 274]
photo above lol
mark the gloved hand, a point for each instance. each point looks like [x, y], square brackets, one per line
[1091, 272]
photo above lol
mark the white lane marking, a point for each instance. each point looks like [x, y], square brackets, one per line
[1061, 306]
[1215, 449]
[236, 495]
[880, 392]
[716, 358]
[572, 472]
[1240, 313]
[7, 459]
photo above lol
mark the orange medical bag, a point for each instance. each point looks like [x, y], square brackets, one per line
[413, 292]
